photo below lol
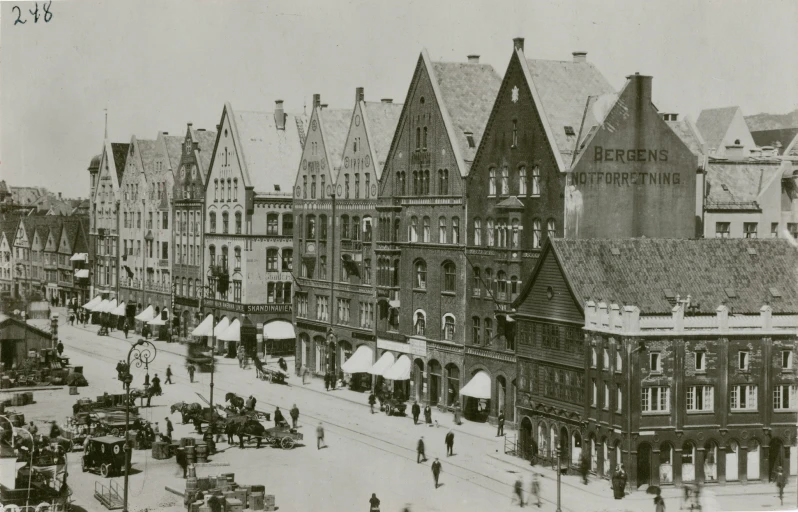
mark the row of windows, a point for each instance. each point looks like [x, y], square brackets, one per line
[322, 179]
[500, 182]
[232, 189]
[162, 220]
[222, 260]
[742, 362]
[506, 233]
[750, 229]
[445, 235]
[421, 183]
[351, 229]
[742, 397]
[225, 222]
[447, 325]
[365, 318]
[497, 289]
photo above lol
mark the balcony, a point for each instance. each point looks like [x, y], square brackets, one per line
[351, 245]
[218, 270]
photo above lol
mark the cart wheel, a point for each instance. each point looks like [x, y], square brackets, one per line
[115, 432]
[287, 443]
[83, 465]
[105, 470]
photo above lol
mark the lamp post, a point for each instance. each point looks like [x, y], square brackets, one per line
[32, 449]
[142, 353]
[559, 471]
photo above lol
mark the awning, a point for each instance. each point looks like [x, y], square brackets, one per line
[400, 369]
[82, 273]
[280, 330]
[233, 332]
[360, 361]
[100, 308]
[205, 328]
[79, 256]
[478, 386]
[385, 362]
[222, 326]
[146, 315]
[109, 307]
[92, 303]
[119, 310]
[157, 321]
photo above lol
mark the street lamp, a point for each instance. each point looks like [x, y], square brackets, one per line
[557, 452]
[142, 353]
[32, 449]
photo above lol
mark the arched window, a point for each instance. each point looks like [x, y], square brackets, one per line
[288, 260]
[522, 181]
[310, 230]
[238, 223]
[514, 286]
[322, 227]
[442, 229]
[345, 227]
[449, 277]
[212, 221]
[197, 288]
[271, 224]
[367, 229]
[416, 184]
[229, 188]
[489, 280]
[490, 233]
[237, 254]
[216, 190]
[420, 323]
[212, 254]
[516, 236]
[505, 181]
[355, 228]
[441, 190]
[455, 230]
[476, 284]
[418, 138]
[424, 142]
[501, 284]
[225, 222]
[225, 266]
[426, 183]
[190, 288]
[476, 329]
[421, 275]
[536, 235]
[235, 189]
[492, 182]
[448, 327]
[402, 183]
[413, 233]
[477, 231]
[551, 228]
[396, 226]
[536, 181]
[425, 229]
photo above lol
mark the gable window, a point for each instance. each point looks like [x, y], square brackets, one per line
[355, 228]
[442, 229]
[505, 181]
[536, 181]
[313, 187]
[516, 235]
[421, 275]
[536, 235]
[304, 187]
[310, 231]
[655, 362]
[449, 280]
[357, 185]
[515, 133]
[216, 190]
[522, 181]
[235, 189]
[229, 189]
[492, 182]
[443, 182]
[425, 230]
[416, 184]
[424, 142]
[346, 186]
[750, 229]
[477, 231]
[418, 139]
[722, 229]
[700, 361]
[743, 360]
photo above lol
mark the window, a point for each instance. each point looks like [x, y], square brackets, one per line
[420, 323]
[416, 184]
[442, 229]
[237, 254]
[425, 181]
[475, 330]
[656, 399]
[785, 397]
[536, 236]
[618, 399]
[322, 308]
[443, 182]
[235, 189]
[225, 222]
[605, 363]
[368, 179]
[492, 182]
[774, 229]
[515, 133]
[700, 398]
[501, 284]
[722, 229]
[551, 228]
[655, 362]
[448, 327]
[164, 250]
[367, 229]
[212, 254]
[302, 305]
[413, 234]
[477, 231]
[238, 223]
[455, 230]
[229, 189]
[792, 227]
[322, 227]
[343, 310]
[488, 323]
[516, 234]
[522, 181]
[323, 269]
[366, 314]
[593, 358]
[742, 360]
[606, 404]
[366, 271]
[449, 283]
[421, 275]
[236, 291]
[321, 191]
[313, 187]
[216, 190]
[743, 398]
[271, 260]
[288, 224]
[749, 229]
[271, 224]
[594, 394]
[514, 286]
[786, 359]
[310, 231]
[536, 181]
[288, 260]
[701, 361]
[346, 186]
[425, 230]
[491, 234]
[304, 187]
[355, 228]
[424, 142]
[165, 218]
[476, 286]
[345, 227]
[505, 181]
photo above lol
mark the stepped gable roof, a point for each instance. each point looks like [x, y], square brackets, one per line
[205, 142]
[468, 92]
[780, 138]
[740, 272]
[381, 120]
[713, 123]
[689, 134]
[120, 151]
[564, 88]
[335, 127]
[738, 185]
[269, 155]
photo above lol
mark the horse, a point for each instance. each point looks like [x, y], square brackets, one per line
[248, 430]
[187, 410]
[258, 367]
[235, 400]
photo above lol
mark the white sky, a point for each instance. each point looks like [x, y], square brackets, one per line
[157, 65]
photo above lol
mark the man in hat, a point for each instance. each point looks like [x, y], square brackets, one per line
[420, 456]
[416, 412]
[436, 471]
[450, 443]
[169, 429]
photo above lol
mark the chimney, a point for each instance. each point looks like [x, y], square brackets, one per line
[316, 100]
[473, 59]
[518, 43]
[580, 56]
[735, 152]
[387, 100]
[360, 94]
[279, 115]
[643, 83]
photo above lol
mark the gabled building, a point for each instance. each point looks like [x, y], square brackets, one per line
[688, 378]
[725, 132]
[8, 231]
[363, 152]
[248, 224]
[72, 257]
[188, 197]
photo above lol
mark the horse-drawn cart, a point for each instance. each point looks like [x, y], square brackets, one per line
[282, 437]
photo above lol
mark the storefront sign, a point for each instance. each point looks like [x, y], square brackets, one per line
[627, 179]
[601, 154]
[311, 327]
[249, 308]
[278, 276]
[361, 336]
[394, 346]
[187, 301]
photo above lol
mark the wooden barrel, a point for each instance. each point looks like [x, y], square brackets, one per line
[201, 449]
[160, 450]
[28, 397]
[191, 471]
[191, 454]
[191, 484]
[73, 390]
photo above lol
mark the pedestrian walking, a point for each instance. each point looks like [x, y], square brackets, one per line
[436, 471]
[619, 483]
[168, 374]
[374, 503]
[781, 482]
[416, 412]
[320, 437]
[294, 415]
[518, 492]
[327, 381]
[659, 503]
[584, 466]
[536, 488]
[372, 401]
[500, 429]
[304, 372]
[191, 370]
[450, 443]
[60, 348]
[169, 429]
[428, 414]
[125, 328]
[279, 419]
[420, 456]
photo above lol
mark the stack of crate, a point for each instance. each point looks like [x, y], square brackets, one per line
[236, 498]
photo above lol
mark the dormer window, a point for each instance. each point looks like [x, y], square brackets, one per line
[470, 139]
[569, 131]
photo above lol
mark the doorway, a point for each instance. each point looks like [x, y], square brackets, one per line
[644, 464]
[526, 439]
[775, 458]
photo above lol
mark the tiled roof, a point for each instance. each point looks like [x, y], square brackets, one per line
[705, 269]
[147, 151]
[174, 150]
[688, 134]
[335, 127]
[120, 151]
[205, 141]
[469, 92]
[564, 88]
[737, 186]
[778, 138]
[270, 155]
[381, 119]
[8, 226]
[713, 123]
